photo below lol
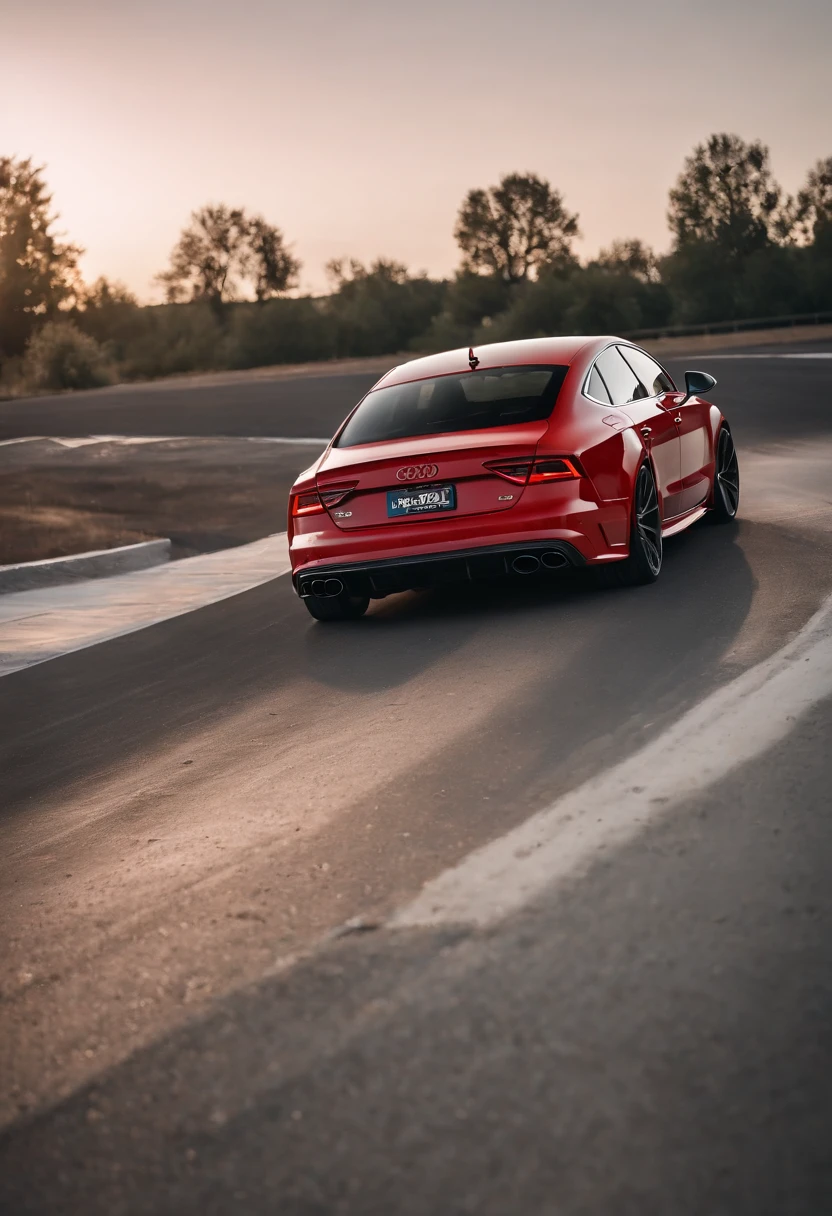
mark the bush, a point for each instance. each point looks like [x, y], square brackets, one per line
[110, 313]
[60, 356]
[771, 284]
[471, 302]
[537, 309]
[279, 331]
[472, 299]
[380, 310]
[603, 303]
[176, 338]
[443, 333]
[816, 269]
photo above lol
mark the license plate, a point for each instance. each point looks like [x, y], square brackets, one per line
[421, 502]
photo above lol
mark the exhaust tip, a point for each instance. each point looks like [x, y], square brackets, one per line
[526, 563]
[324, 588]
[554, 560]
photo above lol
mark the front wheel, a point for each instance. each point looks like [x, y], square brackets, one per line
[726, 491]
[343, 607]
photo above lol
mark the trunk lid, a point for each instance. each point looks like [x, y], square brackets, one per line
[456, 459]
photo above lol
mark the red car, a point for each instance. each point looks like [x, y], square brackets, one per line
[514, 458]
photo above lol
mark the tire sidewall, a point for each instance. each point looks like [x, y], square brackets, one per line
[719, 511]
[642, 571]
[336, 608]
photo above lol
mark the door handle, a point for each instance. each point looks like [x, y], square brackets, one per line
[646, 432]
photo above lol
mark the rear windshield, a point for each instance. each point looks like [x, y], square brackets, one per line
[471, 401]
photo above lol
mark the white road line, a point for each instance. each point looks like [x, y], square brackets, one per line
[821, 354]
[136, 440]
[732, 726]
[269, 439]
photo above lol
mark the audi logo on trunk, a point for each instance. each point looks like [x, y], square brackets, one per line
[417, 472]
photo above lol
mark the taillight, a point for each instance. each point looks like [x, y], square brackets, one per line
[560, 469]
[331, 497]
[307, 504]
[534, 471]
[313, 502]
[518, 473]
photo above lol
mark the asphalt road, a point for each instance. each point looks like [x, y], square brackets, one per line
[189, 811]
[299, 406]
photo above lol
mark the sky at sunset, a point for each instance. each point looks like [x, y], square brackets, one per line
[358, 127]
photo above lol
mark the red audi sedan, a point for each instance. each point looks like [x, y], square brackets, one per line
[517, 458]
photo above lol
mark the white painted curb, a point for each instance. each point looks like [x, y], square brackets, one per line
[98, 563]
[733, 726]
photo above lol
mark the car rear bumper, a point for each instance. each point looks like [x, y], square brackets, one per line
[562, 518]
[389, 575]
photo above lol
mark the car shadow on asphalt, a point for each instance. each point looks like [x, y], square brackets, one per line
[706, 584]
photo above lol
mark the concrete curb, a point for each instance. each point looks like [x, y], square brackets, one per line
[99, 563]
[43, 624]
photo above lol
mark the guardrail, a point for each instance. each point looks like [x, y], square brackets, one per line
[730, 327]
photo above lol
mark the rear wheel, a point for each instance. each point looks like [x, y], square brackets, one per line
[343, 607]
[726, 493]
[645, 561]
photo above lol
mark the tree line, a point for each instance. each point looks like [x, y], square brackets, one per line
[740, 248]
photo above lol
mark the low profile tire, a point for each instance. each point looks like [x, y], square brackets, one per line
[644, 563]
[726, 491]
[337, 607]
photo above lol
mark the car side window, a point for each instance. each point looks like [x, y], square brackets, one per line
[596, 388]
[622, 383]
[655, 380]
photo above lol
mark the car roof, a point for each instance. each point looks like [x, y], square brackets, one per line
[493, 354]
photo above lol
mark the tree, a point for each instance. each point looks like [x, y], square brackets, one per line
[631, 257]
[537, 309]
[104, 294]
[604, 303]
[345, 271]
[38, 272]
[275, 270]
[515, 228]
[471, 298]
[110, 313]
[634, 289]
[814, 201]
[726, 195]
[222, 252]
[379, 309]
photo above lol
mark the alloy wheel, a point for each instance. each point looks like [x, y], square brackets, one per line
[728, 472]
[648, 519]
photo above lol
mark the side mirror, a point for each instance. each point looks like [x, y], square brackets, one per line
[697, 383]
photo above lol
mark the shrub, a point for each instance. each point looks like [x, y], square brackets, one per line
[471, 302]
[175, 338]
[278, 331]
[603, 303]
[379, 310]
[110, 313]
[537, 309]
[444, 333]
[60, 356]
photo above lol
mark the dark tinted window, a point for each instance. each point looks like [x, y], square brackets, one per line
[596, 388]
[648, 371]
[472, 401]
[619, 377]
